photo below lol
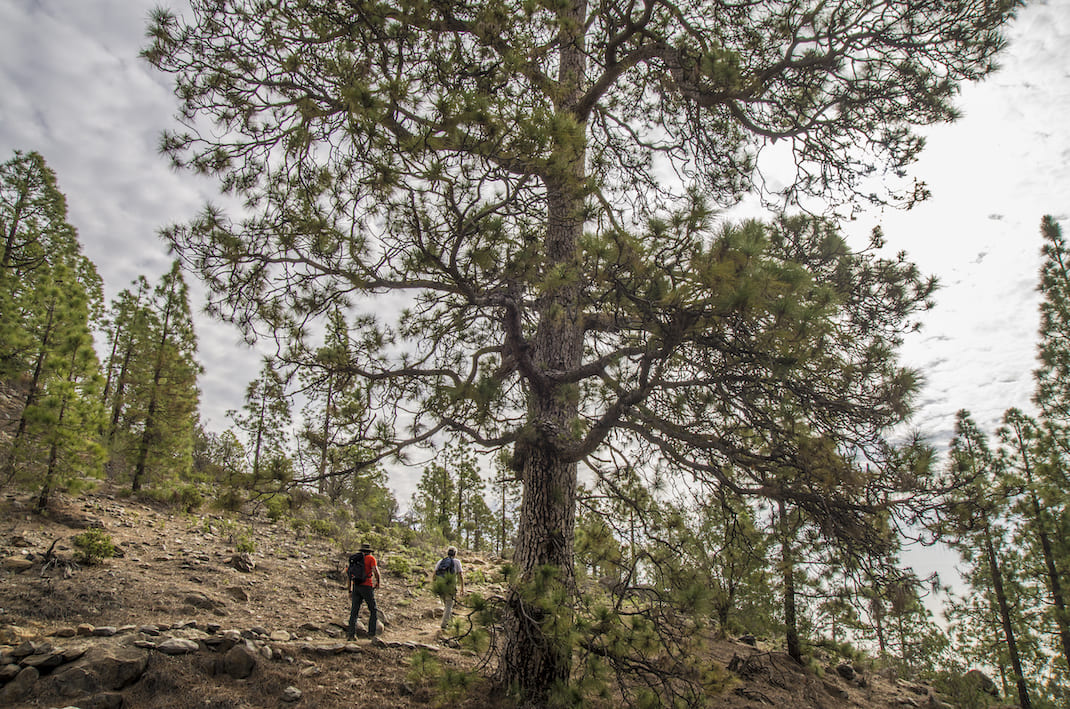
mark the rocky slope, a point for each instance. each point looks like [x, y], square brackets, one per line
[181, 619]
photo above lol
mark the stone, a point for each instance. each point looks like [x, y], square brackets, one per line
[13, 635]
[20, 687]
[279, 636]
[9, 672]
[201, 601]
[177, 646]
[65, 633]
[242, 562]
[104, 700]
[101, 668]
[291, 694]
[104, 631]
[237, 593]
[46, 661]
[84, 629]
[17, 564]
[845, 670]
[31, 647]
[150, 630]
[749, 640]
[239, 662]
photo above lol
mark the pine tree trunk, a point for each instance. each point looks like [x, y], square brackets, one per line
[791, 625]
[1054, 581]
[31, 395]
[537, 652]
[1005, 620]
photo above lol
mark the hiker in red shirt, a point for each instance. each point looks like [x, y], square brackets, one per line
[363, 577]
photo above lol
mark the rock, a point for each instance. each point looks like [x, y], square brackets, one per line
[101, 668]
[104, 700]
[982, 682]
[13, 635]
[104, 631]
[20, 687]
[237, 593]
[200, 600]
[291, 694]
[749, 639]
[177, 646]
[43, 662]
[31, 647]
[65, 633]
[242, 562]
[84, 629]
[310, 627]
[279, 636]
[8, 672]
[150, 630]
[239, 661]
[845, 670]
[17, 564]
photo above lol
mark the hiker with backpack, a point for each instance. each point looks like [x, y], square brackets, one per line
[362, 574]
[444, 578]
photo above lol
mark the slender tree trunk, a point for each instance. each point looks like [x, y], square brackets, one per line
[1054, 580]
[1005, 619]
[149, 434]
[878, 625]
[321, 483]
[787, 562]
[31, 395]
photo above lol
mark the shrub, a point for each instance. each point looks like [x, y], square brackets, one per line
[277, 506]
[322, 527]
[245, 543]
[94, 546]
[187, 498]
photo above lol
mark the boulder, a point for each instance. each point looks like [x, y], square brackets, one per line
[242, 562]
[17, 564]
[101, 668]
[845, 670]
[291, 694]
[240, 661]
[177, 646]
[20, 687]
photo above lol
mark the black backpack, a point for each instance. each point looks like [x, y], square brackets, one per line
[357, 573]
[444, 567]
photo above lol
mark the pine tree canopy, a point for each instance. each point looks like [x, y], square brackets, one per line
[515, 203]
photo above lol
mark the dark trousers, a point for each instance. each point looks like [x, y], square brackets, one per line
[362, 594]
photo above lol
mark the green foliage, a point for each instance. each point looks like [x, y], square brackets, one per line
[322, 528]
[277, 506]
[559, 296]
[94, 545]
[187, 498]
[245, 544]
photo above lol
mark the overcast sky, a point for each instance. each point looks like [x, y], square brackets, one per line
[74, 90]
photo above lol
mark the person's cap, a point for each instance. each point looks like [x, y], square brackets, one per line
[365, 547]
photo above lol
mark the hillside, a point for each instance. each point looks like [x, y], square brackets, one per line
[174, 622]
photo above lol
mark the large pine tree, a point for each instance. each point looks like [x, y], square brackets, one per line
[528, 186]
